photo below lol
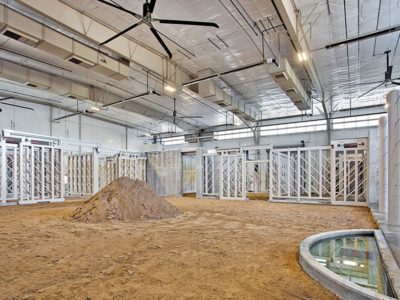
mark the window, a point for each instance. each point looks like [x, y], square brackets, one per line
[233, 134]
[357, 122]
[175, 140]
[298, 127]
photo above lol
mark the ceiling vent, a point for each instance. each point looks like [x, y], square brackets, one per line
[287, 80]
[80, 61]
[279, 77]
[19, 36]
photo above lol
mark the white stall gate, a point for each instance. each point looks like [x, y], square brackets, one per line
[350, 173]
[301, 174]
[114, 167]
[189, 173]
[336, 174]
[30, 173]
[211, 175]
[225, 176]
[81, 174]
[164, 172]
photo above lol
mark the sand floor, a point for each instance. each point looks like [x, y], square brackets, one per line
[214, 250]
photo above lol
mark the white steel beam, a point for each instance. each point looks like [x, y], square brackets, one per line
[291, 21]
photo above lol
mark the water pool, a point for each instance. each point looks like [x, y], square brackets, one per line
[355, 258]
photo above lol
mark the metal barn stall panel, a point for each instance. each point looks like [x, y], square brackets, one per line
[40, 174]
[82, 170]
[189, 170]
[232, 176]
[301, 174]
[164, 172]
[350, 172]
[257, 176]
[8, 172]
[132, 167]
[257, 168]
[211, 175]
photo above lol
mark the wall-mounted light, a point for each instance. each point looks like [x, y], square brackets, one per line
[302, 56]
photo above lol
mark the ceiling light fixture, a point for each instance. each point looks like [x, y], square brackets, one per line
[95, 108]
[169, 88]
[302, 56]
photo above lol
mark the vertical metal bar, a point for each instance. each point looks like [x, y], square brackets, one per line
[309, 173]
[333, 175]
[3, 170]
[288, 173]
[320, 171]
[270, 165]
[356, 176]
[95, 172]
[43, 181]
[22, 169]
[15, 172]
[298, 174]
[279, 173]
[243, 166]
[52, 170]
[32, 178]
[345, 176]
[235, 187]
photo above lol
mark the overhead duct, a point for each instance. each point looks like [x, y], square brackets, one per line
[28, 31]
[211, 92]
[287, 80]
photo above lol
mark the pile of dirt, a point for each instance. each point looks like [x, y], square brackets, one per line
[125, 199]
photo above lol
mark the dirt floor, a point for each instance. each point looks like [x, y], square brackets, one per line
[214, 250]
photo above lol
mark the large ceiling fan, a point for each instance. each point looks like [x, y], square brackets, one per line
[148, 20]
[388, 77]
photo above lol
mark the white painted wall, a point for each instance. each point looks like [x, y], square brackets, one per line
[77, 127]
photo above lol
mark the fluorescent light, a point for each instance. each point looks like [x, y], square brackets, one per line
[95, 108]
[169, 88]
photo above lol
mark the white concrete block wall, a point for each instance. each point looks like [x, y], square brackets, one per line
[77, 127]
[393, 100]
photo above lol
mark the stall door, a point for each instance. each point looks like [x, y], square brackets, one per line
[233, 176]
[350, 176]
[189, 174]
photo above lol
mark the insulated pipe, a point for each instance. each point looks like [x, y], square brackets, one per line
[393, 100]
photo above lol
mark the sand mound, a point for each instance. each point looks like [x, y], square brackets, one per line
[124, 199]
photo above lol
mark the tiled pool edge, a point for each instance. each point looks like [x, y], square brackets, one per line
[338, 285]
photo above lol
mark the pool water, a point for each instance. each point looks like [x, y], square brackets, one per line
[355, 258]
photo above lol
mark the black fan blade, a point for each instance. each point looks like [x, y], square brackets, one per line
[121, 33]
[152, 5]
[161, 41]
[117, 6]
[369, 91]
[396, 83]
[18, 106]
[182, 22]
